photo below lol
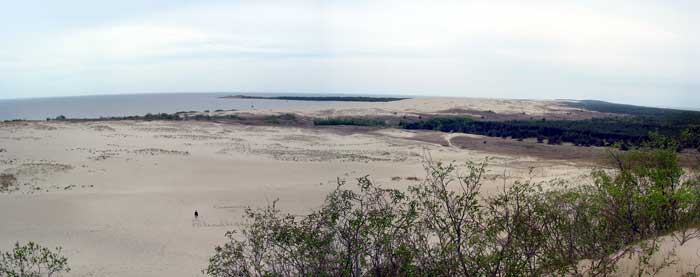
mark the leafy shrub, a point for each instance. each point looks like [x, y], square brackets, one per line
[445, 226]
[32, 260]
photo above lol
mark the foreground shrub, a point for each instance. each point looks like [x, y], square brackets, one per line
[446, 227]
[32, 260]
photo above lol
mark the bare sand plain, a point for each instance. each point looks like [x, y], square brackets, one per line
[119, 196]
[489, 108]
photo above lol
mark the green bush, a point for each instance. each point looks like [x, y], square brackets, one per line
[32, 260]
[446, 227]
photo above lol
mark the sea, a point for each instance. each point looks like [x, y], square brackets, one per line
[140, 104]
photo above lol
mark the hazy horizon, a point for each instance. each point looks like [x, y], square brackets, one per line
[632, 52]
[268, 93]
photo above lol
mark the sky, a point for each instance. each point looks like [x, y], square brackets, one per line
[640, 52]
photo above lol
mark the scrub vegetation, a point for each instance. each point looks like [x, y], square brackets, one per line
[32, 259]
[445, 226]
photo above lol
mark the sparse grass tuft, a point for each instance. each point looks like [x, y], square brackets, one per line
[7, 182]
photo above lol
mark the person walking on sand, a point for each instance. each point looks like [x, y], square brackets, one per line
[196, 214]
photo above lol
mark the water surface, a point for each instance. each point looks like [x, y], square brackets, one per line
[138, 104]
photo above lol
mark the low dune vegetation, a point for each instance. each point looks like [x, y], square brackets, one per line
[32, 259]
[446, 227]
[7, 182]
[625, 126]
[593, 132]
[353, 121]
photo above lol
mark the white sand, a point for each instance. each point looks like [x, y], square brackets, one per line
[119, 197]
[428, 105]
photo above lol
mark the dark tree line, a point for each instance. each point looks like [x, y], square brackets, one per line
[627, 131]
[657, 115]
[354, 121]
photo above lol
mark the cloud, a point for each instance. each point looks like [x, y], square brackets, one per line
[532, 49]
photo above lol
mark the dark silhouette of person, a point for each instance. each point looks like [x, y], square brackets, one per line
[196, 214]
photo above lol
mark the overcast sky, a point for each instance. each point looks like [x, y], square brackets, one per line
[640, 52]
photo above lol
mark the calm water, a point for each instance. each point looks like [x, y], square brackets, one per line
[136, 104]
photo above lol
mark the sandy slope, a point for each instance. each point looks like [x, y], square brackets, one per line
[415, 106]
[119, 196]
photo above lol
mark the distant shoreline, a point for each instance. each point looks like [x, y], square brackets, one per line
[319, 98]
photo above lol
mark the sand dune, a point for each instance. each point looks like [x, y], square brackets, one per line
[119, 196]
[449, 106]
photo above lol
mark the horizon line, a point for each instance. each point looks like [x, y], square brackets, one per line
[332, 94]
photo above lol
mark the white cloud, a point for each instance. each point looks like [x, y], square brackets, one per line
[546, 48]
